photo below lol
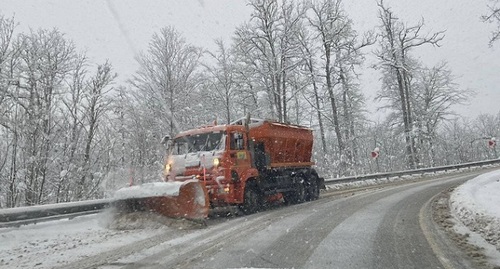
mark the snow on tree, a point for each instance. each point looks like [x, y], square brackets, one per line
[9, 133]
[45, 59]
[340, 55]
[268, 47]
[221, 80]
[67, 134]
[397, 40]
[434, 94]
[52, 113]
[96, 106]
[166, 79]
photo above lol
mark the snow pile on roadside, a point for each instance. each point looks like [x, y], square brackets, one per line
[477, 204]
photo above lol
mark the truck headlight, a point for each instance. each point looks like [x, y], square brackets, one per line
[216, 162]
[168, 167]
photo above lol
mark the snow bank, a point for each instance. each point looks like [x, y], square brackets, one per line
[154, 189]
[477, 204]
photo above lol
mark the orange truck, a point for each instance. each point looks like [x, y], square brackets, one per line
[249, 163]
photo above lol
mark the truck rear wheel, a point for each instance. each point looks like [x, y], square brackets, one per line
[313, 189]
[300, 194]
[296, 197]
[252, 201]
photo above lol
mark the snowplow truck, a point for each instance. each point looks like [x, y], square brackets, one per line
[248, 163]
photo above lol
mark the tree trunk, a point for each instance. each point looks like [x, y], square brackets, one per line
[336, 124]
[347, 115]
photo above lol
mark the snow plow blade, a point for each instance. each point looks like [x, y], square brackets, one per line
[187, 200]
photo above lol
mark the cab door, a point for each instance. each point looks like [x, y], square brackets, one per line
[241, 164]
[240, 157]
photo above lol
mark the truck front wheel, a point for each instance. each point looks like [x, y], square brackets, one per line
[252, 201]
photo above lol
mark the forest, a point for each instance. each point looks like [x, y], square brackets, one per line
[70, 132]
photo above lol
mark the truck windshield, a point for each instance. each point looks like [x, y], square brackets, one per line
[198, 142]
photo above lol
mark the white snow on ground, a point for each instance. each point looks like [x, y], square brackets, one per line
[52, 244]
[476, 204]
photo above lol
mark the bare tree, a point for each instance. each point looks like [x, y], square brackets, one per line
[71, 125]
[269, 46]
[96, 106]
[7, 27]
[167, 77]
[329, 23]
[252, 75]
[309, 51]
[222, 81]
[457, 143]
[397, 40]
[435, 92]
[341, 54]
[8, 113]
[164, 98]
[493, 17]
[46, 59]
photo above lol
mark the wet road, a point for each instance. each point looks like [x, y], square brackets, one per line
[384, 227]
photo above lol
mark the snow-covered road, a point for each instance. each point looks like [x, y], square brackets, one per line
[296, 236]
[53, 243]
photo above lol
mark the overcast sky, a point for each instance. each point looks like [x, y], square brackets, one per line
[118, 29]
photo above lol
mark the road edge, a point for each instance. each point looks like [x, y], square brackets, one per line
[451, 248]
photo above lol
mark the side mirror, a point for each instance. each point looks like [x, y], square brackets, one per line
[165, 141]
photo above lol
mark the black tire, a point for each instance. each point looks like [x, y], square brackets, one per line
[252, 201]
[300, 193]
[297, 196]
[313, 189]
[289, 197]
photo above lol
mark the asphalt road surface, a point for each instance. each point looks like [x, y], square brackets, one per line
[383, 227]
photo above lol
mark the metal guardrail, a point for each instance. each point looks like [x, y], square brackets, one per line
[24, 215]
[18, 223]
[421, 171]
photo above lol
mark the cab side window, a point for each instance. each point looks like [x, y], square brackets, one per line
[237, 142]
